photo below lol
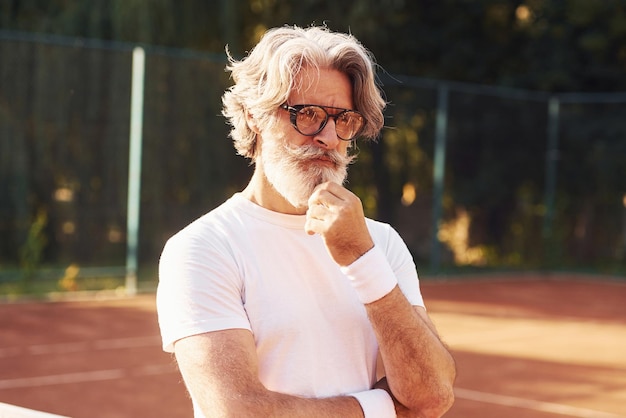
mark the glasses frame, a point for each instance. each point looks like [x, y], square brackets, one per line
[293, 115]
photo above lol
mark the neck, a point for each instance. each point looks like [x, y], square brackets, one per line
[260, 191]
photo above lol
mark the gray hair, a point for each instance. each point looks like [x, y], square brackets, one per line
[265, 77]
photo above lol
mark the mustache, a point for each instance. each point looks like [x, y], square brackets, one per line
[308, 152]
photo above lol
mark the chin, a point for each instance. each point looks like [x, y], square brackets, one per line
[297, 186]
[299, 199]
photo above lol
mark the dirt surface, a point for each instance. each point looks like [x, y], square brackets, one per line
[534, 347]
[525, 346]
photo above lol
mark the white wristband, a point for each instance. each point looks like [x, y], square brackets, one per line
[376, 403]
[371, 276]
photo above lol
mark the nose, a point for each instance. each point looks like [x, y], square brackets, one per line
[327, 138]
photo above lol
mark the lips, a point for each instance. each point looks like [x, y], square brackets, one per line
[325, 160]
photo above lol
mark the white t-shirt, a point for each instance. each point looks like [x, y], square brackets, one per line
[243, 266]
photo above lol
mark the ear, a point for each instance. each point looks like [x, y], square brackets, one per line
[252, 123]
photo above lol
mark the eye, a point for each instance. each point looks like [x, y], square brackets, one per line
[345, 118]
[310, 115]
[352, 119]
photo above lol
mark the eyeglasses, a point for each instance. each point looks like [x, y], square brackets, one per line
[309, 120]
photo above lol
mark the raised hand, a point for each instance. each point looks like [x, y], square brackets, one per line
[337, 215]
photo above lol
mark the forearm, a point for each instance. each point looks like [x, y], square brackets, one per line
[375, 403]
[266, 403]
[220, 371]
[419, 369]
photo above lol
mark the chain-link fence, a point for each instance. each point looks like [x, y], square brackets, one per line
[504, 181]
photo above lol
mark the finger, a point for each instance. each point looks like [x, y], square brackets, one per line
[325, 199]
[313, 226]
[329, 188]
[316, 211]
[313, 199]
[339, 199]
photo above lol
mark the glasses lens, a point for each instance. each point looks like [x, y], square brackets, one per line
[348, 124]
[310, 119]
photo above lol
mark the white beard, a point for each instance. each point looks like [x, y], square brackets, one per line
[290, 171]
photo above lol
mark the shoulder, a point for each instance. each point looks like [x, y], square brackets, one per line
[400, 259]
[382, 233]
[212, 232]
[391, 243]
[217, 222]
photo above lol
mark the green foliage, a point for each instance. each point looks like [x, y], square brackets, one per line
[495, 147]
[32, 250]
[574, 45]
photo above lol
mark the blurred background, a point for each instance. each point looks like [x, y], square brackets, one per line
[504, 147]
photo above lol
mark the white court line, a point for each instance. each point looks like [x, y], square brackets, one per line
[512, 401]
[492, 398]
[59, 379]
[14, 411]
[84, 377]
[81, 346]
[61, 348]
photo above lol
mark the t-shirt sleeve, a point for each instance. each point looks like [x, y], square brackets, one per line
[401, 262]
[199, 290]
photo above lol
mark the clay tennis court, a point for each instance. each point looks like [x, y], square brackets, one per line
[526, 346]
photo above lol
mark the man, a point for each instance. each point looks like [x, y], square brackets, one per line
[285, 301]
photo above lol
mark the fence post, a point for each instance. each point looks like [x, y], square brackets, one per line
[552, 155]
[134, 169]
[439, 174]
